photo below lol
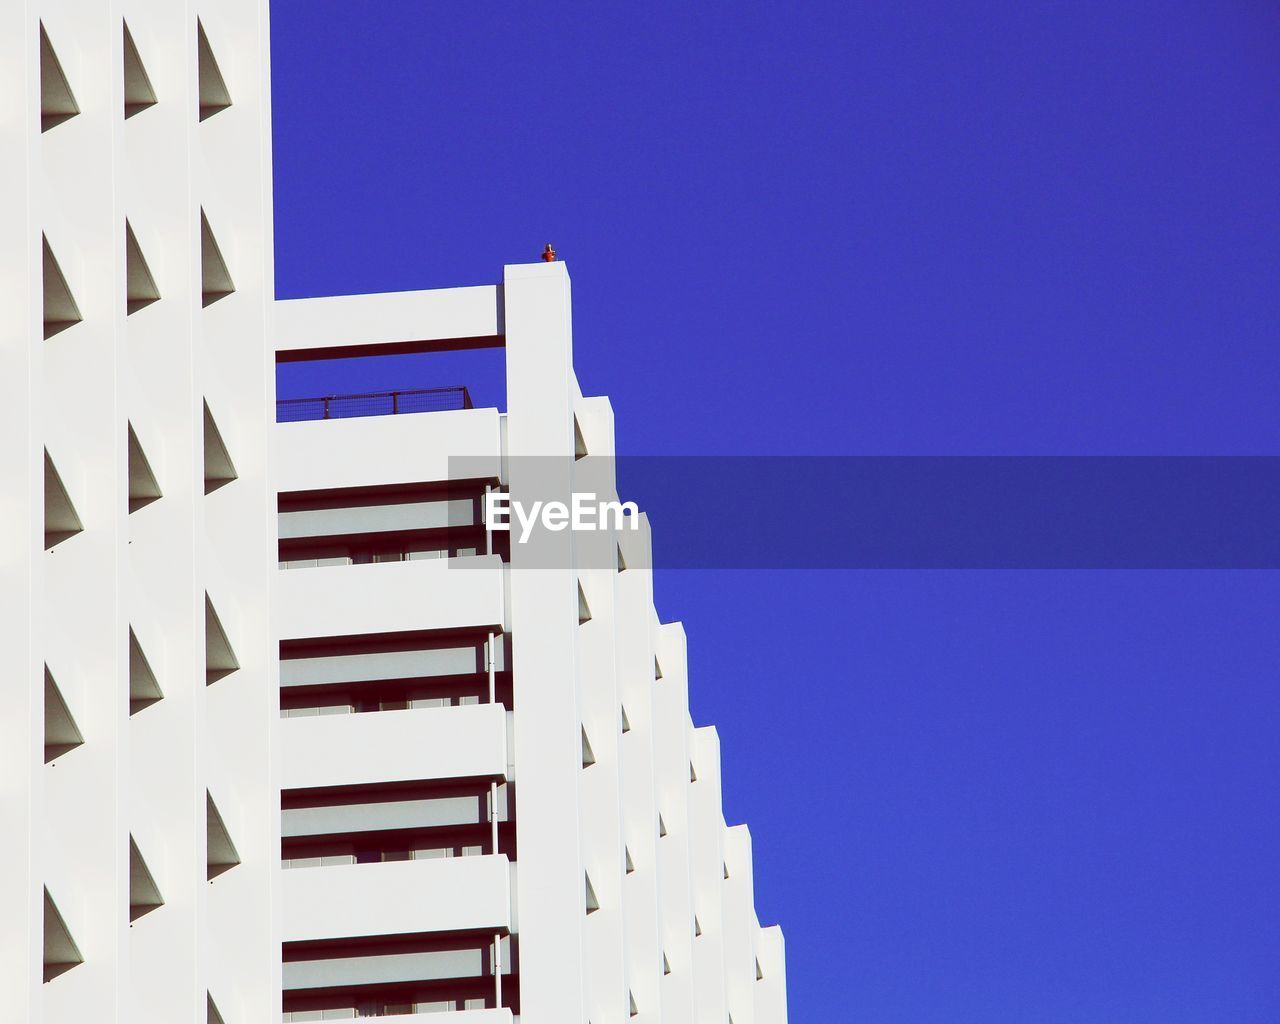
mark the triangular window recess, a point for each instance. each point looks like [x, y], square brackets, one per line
[144, 895]
[584, 610]
[213, 90]
[60, 950]
[657, 669]
[579, 442]
[215, 279]
[143, 489]
[60, 309]
[666, 964]
[138, 94]
[662, 826]
[218, 467]
[726, 869]
[221, 851]
[631, 865]
[219, 658]
[140, 286]
[212, 1016]
[57, 103]
[693, 775]
[622, 562]
[60, 730]
[626, 722]
[588, 755]
[635, 1010]
[697, 926]
[759, 971]
[60, 518]
[593, 904]
[143, 688]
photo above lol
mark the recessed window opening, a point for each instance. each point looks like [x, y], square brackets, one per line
[359, 526]
[393, 672]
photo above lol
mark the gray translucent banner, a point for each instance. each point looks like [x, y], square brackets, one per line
[838, 512]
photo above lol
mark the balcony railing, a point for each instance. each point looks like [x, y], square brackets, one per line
[374, 403]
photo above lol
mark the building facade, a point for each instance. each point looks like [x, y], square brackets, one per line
[289, 726]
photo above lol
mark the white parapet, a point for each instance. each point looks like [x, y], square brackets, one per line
[465, 742]
[452, 894]
[390, 597]
[335, 325]
[387, 450]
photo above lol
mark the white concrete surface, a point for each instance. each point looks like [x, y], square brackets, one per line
[386, 597]
[398, 897]
[394, 746]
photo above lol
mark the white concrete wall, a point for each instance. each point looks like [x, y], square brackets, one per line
[76, 394]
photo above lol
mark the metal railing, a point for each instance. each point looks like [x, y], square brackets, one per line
[374, 403]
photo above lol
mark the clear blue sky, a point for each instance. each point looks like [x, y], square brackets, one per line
[873, 228]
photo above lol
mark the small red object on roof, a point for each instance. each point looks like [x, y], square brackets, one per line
[548, 254]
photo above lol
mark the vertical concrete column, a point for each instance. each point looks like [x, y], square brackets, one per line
[544, 621]
[82, 850]
[21, 470]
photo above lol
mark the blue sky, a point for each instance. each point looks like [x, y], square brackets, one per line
[913, 228]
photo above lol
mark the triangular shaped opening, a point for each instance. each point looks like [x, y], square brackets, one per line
[593, 904]
[222, 853]
[657, 670]
[212, 1016]
[140, 286]
[57, 102]
[666, 964]
[219, 659]
[622, 562]
[662, 826]
[144, 690]
[60, 730]
[60, 309]
[631, 865]
[693, 775]
[579, 442]
[759, 971]
[635, 1010]
[143, 489]
[584, 610]
[60, 518]
[215, 279]
[588, 755]
[144, 895]
[697, 926]
[218, 467]
[60, 950]
[213, 90]
[626, 722]
[726, 869]
[138, 94]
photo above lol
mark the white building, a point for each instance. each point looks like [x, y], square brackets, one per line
[360, 756]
